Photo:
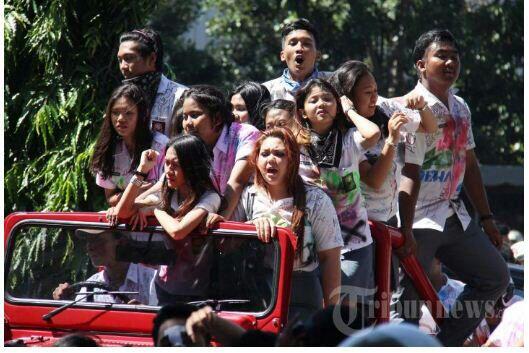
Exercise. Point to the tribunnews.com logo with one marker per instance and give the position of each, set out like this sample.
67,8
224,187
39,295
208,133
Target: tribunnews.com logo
361,307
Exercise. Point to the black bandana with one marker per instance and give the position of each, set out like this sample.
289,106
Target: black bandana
149,83
326,151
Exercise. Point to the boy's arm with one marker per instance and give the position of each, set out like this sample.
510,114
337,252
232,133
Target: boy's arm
410,184
475,190
415,100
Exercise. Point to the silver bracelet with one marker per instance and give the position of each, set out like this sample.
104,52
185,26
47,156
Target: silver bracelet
136,181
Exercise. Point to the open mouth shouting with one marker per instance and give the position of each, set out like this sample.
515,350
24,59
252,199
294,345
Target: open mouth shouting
271,172
299,60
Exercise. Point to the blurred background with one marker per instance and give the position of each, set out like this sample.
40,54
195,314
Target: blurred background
60,67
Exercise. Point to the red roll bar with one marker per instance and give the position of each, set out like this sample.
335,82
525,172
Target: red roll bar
386,239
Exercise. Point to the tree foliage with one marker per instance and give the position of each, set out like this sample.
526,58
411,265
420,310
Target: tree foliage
60,68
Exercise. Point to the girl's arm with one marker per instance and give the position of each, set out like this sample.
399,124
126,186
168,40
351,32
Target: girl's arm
125,206
330,275
179,229
415,100
149,197
113,196
374,175
369,130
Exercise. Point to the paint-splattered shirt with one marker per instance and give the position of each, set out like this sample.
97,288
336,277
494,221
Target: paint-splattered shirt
381,203
234,144
342,184
442,156
322,229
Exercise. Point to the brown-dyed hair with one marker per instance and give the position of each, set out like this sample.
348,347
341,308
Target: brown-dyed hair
295,186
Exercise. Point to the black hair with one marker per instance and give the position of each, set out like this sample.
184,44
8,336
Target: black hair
213,102
76,340
177,118
345,78
300,24
281,104
195,161
149,41
432,36
254,95
340,119
178,311
103,157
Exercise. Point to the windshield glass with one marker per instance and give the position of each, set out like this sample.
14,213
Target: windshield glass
235,272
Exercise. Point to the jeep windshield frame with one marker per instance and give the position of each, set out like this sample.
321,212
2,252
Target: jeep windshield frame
157,230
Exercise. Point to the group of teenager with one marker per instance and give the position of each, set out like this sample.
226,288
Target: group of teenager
317,152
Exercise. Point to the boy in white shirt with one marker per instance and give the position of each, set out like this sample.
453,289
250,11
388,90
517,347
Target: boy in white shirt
429,201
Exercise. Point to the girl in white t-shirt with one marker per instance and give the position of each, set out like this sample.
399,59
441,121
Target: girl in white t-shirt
279,197
186,198
123,136
379,173
331,160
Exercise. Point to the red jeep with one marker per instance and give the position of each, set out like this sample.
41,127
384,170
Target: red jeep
247,281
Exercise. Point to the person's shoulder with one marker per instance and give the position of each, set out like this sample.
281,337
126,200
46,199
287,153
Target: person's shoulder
141,268
244,130
348,135
171,85
315,193
97,277
461,101
325,74
271,83
210,197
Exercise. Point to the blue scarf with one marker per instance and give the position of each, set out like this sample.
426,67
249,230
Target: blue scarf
291,85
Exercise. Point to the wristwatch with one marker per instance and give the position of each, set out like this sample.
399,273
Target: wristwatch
144,175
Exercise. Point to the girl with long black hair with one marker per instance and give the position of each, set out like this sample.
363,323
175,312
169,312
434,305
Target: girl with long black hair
123,136
187,196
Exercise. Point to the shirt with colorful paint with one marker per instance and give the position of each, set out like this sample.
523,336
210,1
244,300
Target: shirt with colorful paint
322,229
381,203
342,184
442,156
235,143
122,168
